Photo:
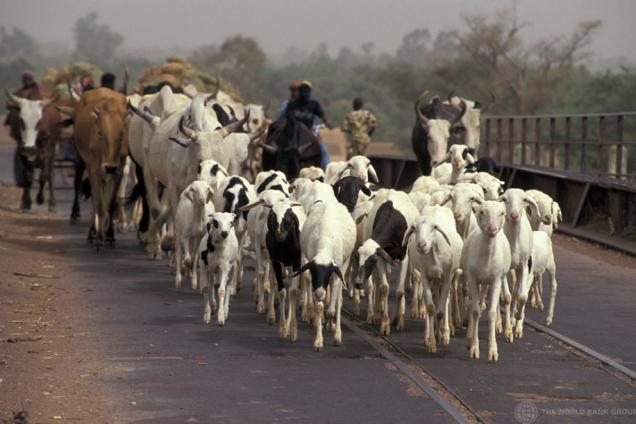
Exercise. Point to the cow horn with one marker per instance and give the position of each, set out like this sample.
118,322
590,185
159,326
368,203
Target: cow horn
268,148
418,111
13,99
302,149
489,106
234,126
47,102
450,96
126,78
210,97
188,132
145,114
66,110
72,93
257,134
458,117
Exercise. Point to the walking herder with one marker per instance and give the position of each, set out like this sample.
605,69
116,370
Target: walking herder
359,124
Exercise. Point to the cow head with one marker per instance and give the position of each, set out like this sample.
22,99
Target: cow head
110,128
469,130
29,114
258,119
202,140
437,130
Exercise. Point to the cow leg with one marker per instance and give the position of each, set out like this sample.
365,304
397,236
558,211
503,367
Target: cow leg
98,218
80,166
39,198
29,168
50,178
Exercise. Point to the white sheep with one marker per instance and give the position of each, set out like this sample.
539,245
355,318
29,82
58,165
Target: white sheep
458,157
218,254
547,215
461,200
425,184
358,166
542,261
327,241
312,173
485,262
519,234
435,250
195,203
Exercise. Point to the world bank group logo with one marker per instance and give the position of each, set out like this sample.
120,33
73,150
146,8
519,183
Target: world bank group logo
526,412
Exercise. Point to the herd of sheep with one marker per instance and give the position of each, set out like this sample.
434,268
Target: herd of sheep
463,245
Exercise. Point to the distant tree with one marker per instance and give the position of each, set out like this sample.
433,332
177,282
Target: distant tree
415,48
501,61
16,45
239,59
95,42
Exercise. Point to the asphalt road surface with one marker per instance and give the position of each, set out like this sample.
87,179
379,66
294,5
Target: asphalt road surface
179,370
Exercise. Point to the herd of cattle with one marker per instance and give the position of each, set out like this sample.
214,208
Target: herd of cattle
463,244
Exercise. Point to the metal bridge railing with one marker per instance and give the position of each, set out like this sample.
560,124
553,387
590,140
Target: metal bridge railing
602,144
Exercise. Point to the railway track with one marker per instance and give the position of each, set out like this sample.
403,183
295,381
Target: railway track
450,400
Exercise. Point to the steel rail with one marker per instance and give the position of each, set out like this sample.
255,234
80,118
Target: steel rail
404,368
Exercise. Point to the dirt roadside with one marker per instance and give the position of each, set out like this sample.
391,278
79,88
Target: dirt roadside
48,370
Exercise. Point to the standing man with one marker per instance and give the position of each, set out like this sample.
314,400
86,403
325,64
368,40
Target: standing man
307,110
359,124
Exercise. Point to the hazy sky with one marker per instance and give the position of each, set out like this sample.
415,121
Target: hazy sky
278,24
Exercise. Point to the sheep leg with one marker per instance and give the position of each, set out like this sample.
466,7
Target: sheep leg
385,325
473,319
415,306
178,247
456,296
292,326
277,270
337,293
318,309
370,301
493,354
429,335
282,320
222,294
553,291
442,312
207,302
401,301
507,298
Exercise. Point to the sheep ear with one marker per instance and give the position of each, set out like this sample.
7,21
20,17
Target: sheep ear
449,197
210,195
407,236
188,194
302,269
372,174
366,190
292,204
338,272
438,229
477,200
385,255
208,226
342,171
251,205
530,201
470,158
361,218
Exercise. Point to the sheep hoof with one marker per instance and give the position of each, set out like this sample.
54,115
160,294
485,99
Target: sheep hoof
519,330
474,352
293,334
509,336
385,328
221,323
493,355
548,321
445,340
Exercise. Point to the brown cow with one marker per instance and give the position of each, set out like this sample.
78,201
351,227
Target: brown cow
35,127
100,145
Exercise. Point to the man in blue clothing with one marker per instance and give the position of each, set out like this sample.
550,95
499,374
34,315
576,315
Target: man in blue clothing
308,111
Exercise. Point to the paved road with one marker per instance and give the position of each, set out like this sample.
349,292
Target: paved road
178,370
